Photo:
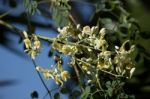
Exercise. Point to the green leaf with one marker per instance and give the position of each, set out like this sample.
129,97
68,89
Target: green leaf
110,91
108,84
99,7
30,6
86,93
91,97
131,96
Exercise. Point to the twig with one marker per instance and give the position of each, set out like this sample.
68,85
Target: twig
64,42
13,28
6,13
98,81
95,92
78,76
72,20
46,38
42,80
51,91
100,69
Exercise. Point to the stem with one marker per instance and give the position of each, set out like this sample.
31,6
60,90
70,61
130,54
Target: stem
100,69
99,84
13,28
73,20
46,38
78,76
51,91
5,14
65,42
98,81
95,92
42,80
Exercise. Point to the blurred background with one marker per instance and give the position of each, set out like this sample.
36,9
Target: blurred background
18,78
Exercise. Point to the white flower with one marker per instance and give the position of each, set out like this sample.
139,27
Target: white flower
27,43
78,26
89,81
25,34
102,31
131,72
65,75
86,30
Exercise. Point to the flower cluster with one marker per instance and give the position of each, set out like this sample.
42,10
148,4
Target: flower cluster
64,48
57,73
123,60
89,47
32,45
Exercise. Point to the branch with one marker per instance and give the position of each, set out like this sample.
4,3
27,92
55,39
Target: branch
50,40
42,79
78,76
13,28
100,69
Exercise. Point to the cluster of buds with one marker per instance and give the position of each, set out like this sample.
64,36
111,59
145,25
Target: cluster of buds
64,48
59,75
123,60
94,37
88,49
32,45
91,43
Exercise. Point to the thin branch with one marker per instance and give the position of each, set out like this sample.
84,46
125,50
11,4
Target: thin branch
72,20
70,43
78,76
50,40
100,69
98,80
6,13
95,92
13,28
51,91
42,79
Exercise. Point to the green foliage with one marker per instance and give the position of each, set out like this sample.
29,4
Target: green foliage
60,12
115,18
31,6
86,93
112,88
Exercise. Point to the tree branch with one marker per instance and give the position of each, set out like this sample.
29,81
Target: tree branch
42,80
13,28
